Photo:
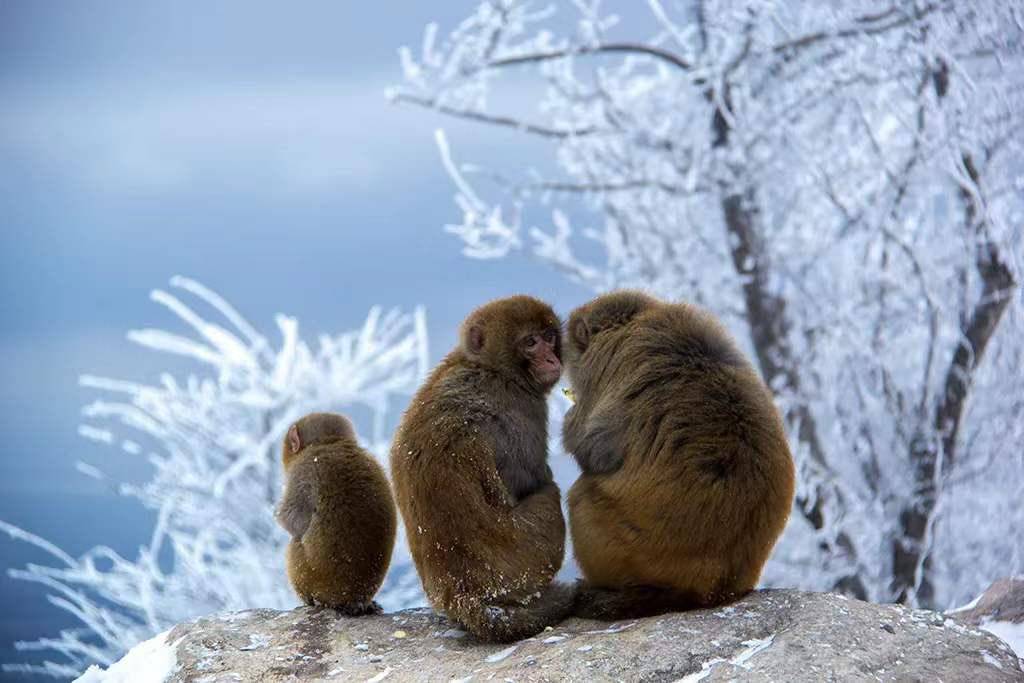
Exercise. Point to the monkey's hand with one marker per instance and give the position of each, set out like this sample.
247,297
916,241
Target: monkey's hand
595,443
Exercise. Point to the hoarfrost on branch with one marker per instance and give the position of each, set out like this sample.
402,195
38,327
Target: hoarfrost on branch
213,440
840,182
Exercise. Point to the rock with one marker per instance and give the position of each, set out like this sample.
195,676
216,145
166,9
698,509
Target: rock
776,635
1002,601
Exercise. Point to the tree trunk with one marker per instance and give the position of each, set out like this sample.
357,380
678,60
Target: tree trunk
769,328
911,552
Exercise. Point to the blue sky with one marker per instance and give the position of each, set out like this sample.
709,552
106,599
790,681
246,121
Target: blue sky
246,145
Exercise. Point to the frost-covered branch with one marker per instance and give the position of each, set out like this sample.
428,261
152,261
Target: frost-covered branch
801,170
212,439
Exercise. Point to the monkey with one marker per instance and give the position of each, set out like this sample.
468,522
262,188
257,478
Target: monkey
469,465
340,513
686,476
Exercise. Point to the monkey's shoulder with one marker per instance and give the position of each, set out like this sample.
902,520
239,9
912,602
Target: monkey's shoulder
336,463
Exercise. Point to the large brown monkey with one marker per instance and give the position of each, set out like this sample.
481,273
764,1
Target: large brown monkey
338,508
687,477
469,465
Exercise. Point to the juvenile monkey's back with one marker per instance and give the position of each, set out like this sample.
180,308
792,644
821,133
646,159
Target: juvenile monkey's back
343,556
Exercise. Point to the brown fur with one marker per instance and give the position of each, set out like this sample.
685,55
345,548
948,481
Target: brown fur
687,477
338,508
469,465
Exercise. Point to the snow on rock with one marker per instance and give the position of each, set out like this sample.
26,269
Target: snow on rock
1000,611
1010,633
151,661
501,654
779,635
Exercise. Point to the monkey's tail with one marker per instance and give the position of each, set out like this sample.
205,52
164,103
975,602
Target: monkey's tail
502,623
635,602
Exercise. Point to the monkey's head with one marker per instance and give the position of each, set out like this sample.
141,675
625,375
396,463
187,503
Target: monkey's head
312,429
598,318
519,335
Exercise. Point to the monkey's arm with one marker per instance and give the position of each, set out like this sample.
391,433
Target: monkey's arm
595,440
295,513
531,532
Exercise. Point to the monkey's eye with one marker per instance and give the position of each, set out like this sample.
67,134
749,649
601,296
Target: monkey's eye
531,342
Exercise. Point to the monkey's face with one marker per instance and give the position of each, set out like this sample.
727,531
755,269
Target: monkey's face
518,335
315,428
541,350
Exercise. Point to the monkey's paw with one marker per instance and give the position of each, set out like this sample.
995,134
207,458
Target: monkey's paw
360,609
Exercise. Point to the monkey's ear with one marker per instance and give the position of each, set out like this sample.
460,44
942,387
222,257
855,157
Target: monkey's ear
580,333
294,442
475,338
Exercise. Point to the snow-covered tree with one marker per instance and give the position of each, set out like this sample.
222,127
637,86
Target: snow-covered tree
842,184
213,440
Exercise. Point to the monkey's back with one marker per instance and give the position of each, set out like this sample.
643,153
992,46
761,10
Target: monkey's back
707,480
457,512
343,556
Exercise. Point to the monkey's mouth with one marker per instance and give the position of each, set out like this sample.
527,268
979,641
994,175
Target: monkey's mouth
546,368
547,375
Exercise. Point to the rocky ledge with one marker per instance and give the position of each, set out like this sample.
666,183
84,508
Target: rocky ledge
776,635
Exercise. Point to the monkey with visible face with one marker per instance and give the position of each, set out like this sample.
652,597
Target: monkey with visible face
338,508
469,465
687,479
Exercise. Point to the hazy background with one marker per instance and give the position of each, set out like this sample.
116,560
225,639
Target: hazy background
246,145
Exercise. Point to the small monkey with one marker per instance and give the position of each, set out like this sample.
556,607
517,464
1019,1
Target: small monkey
687,479
338,508
469,464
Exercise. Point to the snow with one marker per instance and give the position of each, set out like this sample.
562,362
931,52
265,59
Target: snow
740,660
151,661
753,647
257,641
990,659
969,606
501,654
380,677
616,628
1010,633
